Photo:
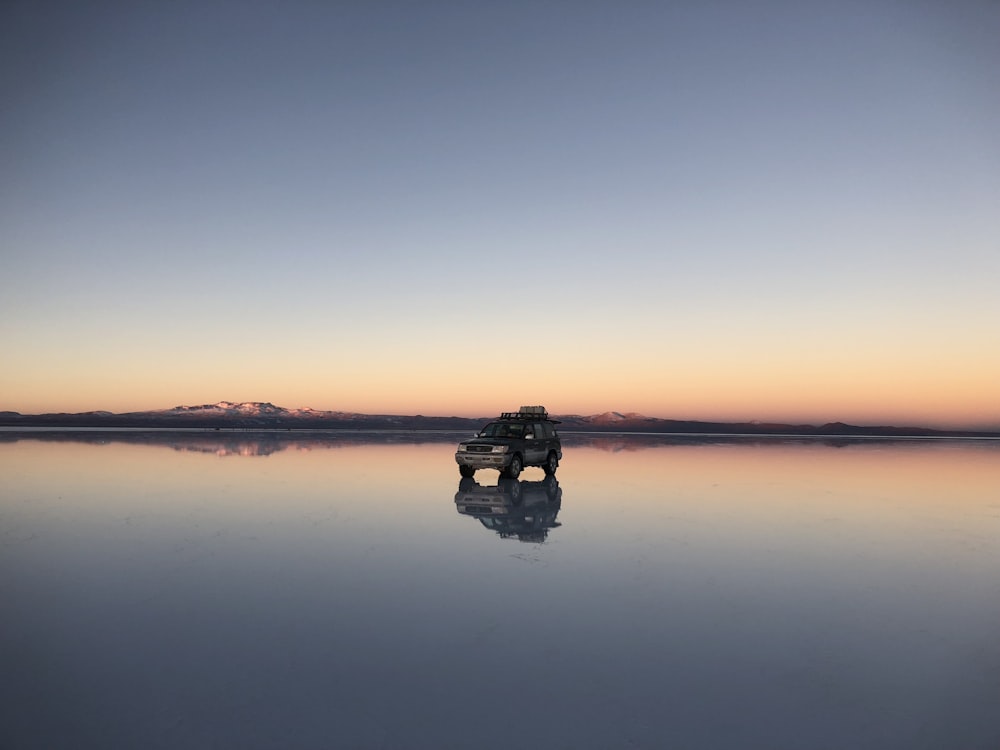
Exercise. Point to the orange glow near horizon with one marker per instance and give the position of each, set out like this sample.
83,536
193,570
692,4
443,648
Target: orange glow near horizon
948,408
933,385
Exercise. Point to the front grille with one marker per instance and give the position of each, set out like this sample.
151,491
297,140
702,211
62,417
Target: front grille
479,449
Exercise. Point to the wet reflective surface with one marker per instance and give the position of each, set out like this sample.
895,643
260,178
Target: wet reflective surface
231,590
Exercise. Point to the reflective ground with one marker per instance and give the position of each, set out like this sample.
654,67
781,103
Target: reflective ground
221,590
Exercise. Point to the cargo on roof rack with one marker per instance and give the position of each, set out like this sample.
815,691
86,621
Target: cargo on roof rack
531,410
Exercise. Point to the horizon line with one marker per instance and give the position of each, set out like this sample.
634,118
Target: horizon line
985,425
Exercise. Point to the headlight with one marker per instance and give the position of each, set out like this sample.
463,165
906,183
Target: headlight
500,448
462,447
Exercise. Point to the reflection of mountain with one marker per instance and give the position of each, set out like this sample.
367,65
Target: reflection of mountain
266,442
234,447
624,442
512,508
232,442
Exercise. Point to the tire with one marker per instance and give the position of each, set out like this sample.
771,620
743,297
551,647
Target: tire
514,468
466,471
512,489
551,464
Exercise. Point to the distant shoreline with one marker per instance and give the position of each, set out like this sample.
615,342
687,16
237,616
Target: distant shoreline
449,433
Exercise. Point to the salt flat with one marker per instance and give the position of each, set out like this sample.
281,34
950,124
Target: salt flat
352,593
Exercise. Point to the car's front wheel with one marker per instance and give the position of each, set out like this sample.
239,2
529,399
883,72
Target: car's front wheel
551,464
514,468
466,471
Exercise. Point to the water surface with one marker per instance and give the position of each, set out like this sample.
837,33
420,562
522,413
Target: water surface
206,590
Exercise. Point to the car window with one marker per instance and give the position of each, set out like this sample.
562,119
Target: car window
496,429
503,430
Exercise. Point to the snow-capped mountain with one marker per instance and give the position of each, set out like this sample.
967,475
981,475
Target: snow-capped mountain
264,414
226,409
243,410
613,417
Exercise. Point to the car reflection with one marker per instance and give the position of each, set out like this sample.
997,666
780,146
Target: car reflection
514,509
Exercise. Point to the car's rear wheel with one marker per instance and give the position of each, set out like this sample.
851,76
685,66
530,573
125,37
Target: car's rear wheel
551,463
514,468
466,471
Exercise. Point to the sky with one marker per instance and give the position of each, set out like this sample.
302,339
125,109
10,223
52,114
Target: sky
782,211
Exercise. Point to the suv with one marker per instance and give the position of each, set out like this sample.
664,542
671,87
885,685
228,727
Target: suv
517,439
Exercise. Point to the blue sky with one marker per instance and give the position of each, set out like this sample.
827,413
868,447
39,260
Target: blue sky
764,210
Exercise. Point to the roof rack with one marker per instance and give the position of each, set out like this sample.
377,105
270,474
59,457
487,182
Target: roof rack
527,413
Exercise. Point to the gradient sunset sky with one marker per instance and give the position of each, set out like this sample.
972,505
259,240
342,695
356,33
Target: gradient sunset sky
700,210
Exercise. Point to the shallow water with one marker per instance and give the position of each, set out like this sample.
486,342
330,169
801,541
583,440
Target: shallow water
204,590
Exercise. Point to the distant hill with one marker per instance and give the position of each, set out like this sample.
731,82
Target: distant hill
263,415
244,415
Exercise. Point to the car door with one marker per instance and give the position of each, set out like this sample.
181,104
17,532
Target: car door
550,439
536,449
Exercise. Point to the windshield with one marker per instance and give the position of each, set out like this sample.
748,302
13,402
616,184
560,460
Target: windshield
502,430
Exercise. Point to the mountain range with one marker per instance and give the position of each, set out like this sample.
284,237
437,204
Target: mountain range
263,415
